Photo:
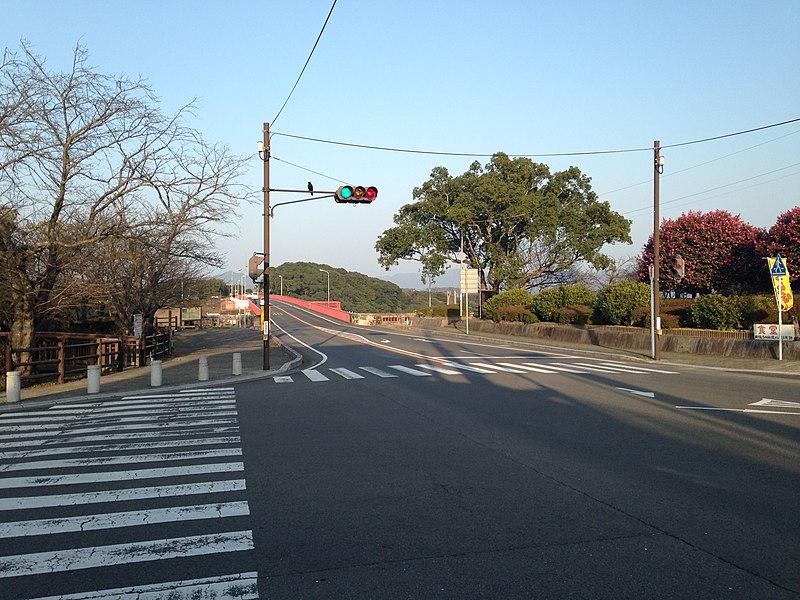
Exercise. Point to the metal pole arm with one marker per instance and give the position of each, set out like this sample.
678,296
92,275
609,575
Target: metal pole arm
274,206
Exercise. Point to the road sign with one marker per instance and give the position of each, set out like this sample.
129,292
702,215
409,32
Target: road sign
469,281
778,267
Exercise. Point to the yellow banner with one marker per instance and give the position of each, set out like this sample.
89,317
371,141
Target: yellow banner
782,287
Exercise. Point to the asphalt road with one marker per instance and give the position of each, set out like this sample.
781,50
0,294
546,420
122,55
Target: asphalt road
397,466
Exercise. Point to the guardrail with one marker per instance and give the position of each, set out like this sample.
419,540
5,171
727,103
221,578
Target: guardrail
58,356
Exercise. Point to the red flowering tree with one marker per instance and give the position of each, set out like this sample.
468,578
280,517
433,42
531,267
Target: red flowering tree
722,254
784,239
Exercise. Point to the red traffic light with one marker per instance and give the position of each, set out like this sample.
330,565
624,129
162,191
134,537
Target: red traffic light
348,194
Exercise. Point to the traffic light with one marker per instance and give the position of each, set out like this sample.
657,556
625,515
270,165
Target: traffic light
348,194
679,267
254,266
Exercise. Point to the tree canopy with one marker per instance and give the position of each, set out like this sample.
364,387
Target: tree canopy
519,224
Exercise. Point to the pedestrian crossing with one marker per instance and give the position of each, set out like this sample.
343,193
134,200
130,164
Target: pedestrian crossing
478,366
126,492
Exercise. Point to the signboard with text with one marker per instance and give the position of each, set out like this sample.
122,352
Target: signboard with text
769,331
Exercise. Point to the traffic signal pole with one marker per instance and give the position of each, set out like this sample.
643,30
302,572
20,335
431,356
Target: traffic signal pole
265,313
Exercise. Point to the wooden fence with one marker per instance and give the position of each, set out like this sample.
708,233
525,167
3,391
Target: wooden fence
59,356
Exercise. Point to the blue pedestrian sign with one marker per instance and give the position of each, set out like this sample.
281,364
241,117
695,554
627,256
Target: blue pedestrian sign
779,267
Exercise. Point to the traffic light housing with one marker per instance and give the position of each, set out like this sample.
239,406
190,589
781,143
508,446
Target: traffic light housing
679,267
359,194
254,266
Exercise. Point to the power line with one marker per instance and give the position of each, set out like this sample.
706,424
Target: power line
537,155
330,12
308,170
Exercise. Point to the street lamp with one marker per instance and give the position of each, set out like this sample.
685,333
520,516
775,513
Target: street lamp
329,286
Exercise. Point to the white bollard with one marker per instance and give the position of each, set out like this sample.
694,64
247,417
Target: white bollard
202,369
237,363
13,386
92,379
156,373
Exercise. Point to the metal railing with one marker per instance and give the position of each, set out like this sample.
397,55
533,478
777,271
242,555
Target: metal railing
59,356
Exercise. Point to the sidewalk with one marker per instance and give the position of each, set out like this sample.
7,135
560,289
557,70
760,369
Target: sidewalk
181,370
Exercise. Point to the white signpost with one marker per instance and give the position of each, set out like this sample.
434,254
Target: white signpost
469,285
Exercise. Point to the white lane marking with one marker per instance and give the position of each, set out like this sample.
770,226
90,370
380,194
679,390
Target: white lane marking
283,379
242,586
119,416
347,374
438,369
314,375
140,424
497,368
75,478
323,355
565,368
100,461
645,369
536,368
52,450
524,367
741,410
601,368
409,370
31,439
776,403
638,392
467,367
378,372
118,554
122,495
132,518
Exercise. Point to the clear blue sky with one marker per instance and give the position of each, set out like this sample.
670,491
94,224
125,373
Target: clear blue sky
520,77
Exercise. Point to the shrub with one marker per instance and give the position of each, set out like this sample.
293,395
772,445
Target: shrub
547,303
440,310
716,312
517,314
515,297
577,314
617,302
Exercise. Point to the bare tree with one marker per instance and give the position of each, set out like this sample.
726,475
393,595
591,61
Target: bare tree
86,157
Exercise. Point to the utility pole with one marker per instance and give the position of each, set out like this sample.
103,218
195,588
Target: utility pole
265,313
658,168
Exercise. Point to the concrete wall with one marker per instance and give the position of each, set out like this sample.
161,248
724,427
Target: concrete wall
628,338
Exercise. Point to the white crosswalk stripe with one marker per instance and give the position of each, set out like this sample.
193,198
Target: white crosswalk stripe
452,367
59,466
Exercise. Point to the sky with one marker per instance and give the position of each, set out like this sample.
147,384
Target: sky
522,77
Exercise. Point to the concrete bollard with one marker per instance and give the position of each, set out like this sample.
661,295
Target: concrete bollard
13,386
156,373
202,369
237,363
92,379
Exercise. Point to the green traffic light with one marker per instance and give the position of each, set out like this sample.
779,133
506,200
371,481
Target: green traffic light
346,192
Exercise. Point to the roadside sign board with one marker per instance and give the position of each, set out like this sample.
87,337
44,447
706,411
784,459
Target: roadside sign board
469,281
777,267
781,283
770,331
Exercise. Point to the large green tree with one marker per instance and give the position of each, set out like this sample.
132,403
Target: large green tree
519,224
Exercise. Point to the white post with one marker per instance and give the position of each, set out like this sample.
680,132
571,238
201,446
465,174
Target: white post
467,305
237,363
156,373
13,386
202,369
92,379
